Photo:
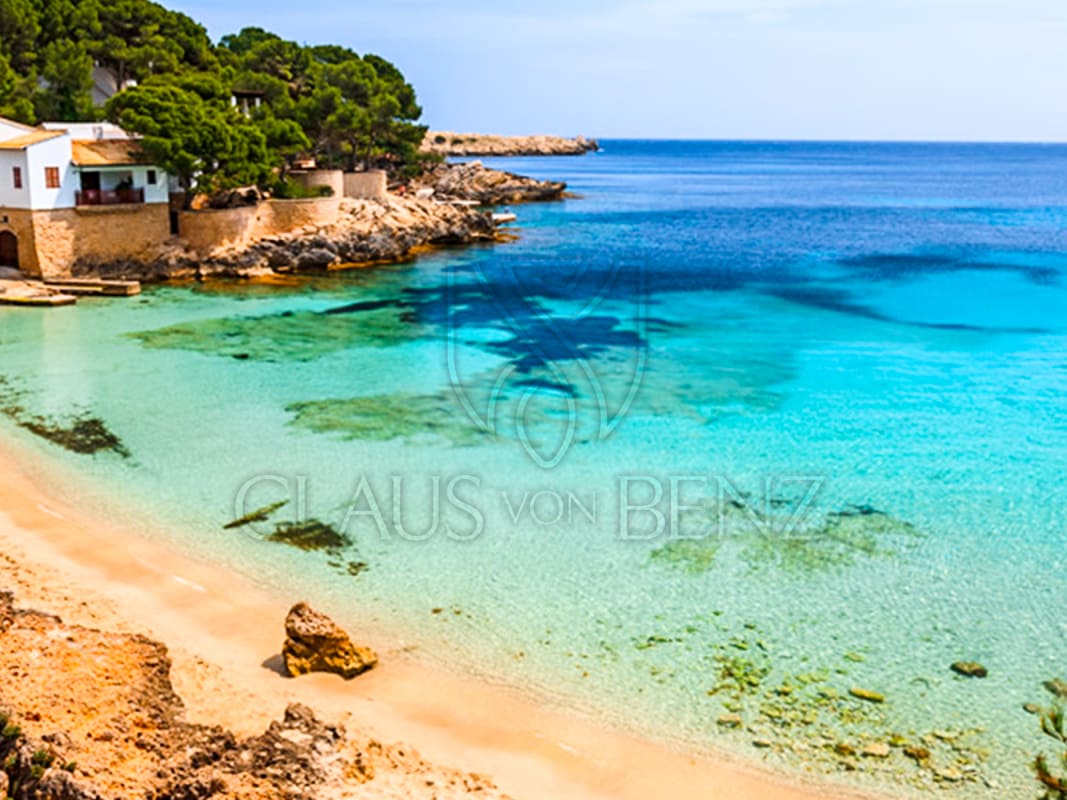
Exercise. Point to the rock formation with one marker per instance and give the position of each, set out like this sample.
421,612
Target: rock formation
476,182
476,144
89,715
368,231
315,643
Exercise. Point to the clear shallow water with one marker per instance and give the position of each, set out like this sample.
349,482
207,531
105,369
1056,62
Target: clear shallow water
850,359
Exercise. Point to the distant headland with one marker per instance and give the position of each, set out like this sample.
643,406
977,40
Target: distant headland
446,143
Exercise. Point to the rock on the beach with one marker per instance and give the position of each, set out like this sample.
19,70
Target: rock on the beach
970,669
315,643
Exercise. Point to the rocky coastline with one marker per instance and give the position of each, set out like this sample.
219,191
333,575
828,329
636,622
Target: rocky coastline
447,143
444,207
87,714
475,182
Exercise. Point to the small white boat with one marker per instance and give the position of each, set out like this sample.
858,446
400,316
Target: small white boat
504,217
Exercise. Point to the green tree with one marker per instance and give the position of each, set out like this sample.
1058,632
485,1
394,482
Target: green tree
66,90
207,147
19,28
14,104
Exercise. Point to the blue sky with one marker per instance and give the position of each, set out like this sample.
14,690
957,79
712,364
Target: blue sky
777,69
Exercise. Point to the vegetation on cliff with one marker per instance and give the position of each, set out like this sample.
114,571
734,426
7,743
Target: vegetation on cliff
322,101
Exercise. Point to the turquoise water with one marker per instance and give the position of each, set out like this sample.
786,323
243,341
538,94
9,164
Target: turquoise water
744,427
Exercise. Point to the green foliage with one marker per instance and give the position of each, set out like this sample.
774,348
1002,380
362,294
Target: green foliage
67,72
289,190
43,758
323,101
206,145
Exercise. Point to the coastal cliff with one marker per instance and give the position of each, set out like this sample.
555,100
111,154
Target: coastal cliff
446,143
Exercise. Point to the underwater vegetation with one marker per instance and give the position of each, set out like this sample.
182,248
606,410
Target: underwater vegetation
384,418
838,539
79,433
1053,723
287,336
259,515
811,713
310,536
85,434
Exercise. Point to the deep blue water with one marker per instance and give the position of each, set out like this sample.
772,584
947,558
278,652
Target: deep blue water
744,426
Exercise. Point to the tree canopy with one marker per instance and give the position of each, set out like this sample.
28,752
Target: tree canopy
325,102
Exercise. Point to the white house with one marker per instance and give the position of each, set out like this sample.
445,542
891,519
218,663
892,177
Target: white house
60,174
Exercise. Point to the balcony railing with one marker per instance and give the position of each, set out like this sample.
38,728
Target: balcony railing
108,197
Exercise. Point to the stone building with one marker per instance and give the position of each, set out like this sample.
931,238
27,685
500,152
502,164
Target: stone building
79,192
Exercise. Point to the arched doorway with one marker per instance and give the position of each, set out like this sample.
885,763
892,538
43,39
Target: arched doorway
9,249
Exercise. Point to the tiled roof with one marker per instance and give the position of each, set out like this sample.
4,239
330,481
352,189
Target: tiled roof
107,152
29,139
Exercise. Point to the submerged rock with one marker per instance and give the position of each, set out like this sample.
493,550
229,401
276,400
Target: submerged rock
969,669
315,643
866,694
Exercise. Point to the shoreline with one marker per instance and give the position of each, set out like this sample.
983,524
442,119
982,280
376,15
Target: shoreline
223,633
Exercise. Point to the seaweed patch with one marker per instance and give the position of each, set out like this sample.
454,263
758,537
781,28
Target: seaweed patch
259,515
81,433
384,418
85,435
310,536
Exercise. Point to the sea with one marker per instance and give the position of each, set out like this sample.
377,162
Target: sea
742,446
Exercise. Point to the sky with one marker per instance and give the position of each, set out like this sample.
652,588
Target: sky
958,70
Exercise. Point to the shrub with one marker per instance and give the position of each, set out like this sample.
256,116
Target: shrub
287,189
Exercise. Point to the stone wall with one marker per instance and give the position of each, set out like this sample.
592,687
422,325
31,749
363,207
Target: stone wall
370,185
52,242
20,223
313,178
288,215
208,230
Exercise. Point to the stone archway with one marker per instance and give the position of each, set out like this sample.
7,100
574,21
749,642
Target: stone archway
9,249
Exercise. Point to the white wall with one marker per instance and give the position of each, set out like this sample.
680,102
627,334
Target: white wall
52,153
111,176
160,193
9,195
88,130
10,129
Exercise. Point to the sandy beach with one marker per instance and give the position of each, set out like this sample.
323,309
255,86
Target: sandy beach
224,636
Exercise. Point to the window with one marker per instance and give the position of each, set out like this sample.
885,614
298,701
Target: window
51,177
16,176
151,177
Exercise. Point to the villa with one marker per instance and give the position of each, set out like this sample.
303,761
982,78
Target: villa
75,197
71,191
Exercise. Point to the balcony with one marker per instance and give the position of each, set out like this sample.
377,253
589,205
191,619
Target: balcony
108,197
